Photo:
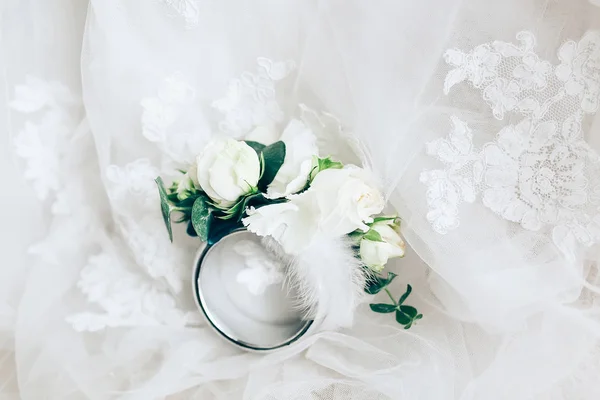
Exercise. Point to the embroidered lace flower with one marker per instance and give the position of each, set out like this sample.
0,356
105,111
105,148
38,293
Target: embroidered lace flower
539,172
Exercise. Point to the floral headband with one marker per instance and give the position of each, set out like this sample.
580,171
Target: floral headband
319,217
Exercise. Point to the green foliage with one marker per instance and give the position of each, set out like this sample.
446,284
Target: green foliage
272,158
165,206
376,283
321,164
383,308
258,147
201,216
405,315
373,236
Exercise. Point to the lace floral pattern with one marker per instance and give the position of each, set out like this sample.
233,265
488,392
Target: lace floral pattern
251,100
126,298
43,142
171,121
540,172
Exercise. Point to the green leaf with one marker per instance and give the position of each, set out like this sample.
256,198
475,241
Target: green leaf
383,308
172,197
395,220
273,156
402,318
188,202
233,211
201,218
165,207
419,317
373,236
328,163
237,210
219,230
356,235
321,164
410,311
258,147
405,295
377,283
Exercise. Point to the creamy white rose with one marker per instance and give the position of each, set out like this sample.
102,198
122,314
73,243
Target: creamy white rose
338,202
347,199
376,254
301,146
226,170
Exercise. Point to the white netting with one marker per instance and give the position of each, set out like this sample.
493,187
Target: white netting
104,310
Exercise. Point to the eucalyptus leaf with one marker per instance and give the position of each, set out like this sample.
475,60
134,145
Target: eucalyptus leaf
410,311
402,318
273,156
405,295
258,147
165,207
383,308
201,218
373,236
377,283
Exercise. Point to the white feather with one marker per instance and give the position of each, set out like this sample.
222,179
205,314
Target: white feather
327,278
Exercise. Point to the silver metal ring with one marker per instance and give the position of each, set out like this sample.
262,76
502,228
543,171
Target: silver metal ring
298,328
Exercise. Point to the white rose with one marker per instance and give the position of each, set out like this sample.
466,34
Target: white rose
337,203
226,170
300,147
347,198
376,254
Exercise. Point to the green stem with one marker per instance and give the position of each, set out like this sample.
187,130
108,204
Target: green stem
391,297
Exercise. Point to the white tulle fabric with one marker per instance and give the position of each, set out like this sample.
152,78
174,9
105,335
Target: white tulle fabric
480,118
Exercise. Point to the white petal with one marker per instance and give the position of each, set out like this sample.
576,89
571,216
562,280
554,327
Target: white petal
498,199
500,177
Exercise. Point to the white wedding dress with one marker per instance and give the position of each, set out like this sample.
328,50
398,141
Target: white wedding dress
480,116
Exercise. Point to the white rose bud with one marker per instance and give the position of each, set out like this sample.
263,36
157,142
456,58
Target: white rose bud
347,199
227,170
376,254
300,146
185,187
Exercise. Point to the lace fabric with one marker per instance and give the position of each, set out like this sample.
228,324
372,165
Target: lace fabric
539,172
489,155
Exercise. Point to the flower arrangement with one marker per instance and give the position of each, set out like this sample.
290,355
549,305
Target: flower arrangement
319,216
